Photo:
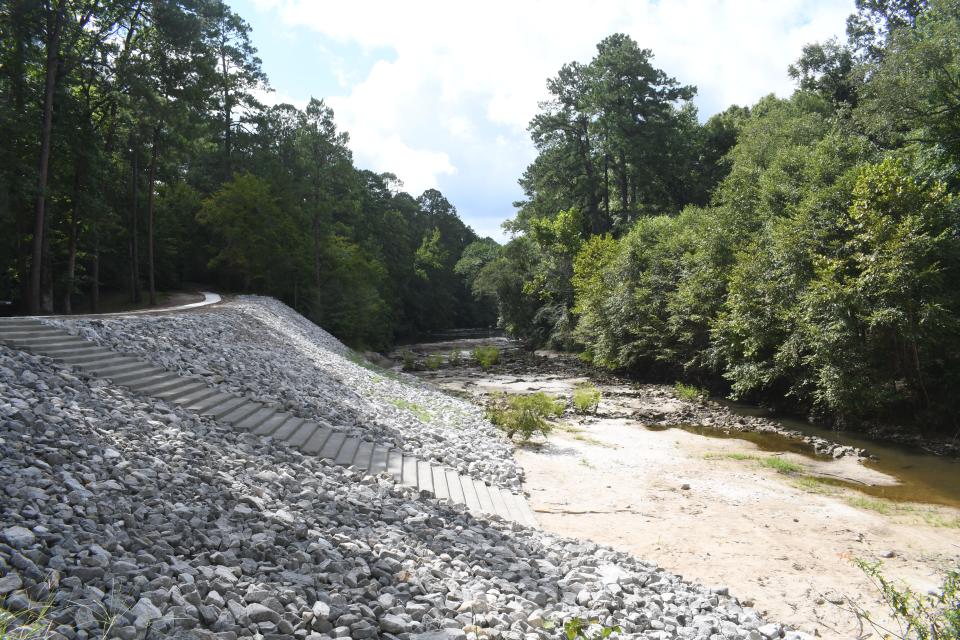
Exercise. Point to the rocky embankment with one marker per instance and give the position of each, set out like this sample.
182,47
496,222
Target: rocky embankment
261,348
125,517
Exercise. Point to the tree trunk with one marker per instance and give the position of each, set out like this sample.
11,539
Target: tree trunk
54,27
72,246
95,273
150,185
624,187
134,224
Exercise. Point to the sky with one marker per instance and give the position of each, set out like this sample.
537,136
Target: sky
441,92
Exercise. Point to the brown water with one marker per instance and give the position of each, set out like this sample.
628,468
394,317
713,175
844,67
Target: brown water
922,477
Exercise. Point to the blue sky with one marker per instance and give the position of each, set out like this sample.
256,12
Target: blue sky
440,92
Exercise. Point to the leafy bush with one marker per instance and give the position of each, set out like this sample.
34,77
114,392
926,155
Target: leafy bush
409,361
690,393
576,628
433,362
935,616
586,398
524,414
455,359
486,356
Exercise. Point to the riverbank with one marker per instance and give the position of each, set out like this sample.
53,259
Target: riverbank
745,502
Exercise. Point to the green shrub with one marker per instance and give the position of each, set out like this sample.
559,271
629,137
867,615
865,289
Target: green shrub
409,361
780,465
433,362
690,393
524,414
586,398
486,356
455,359
577,629
934,616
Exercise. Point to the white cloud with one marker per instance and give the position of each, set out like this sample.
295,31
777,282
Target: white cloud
464,80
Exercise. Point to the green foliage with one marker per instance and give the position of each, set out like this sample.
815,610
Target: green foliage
524,414
933,616
455,359
780,465
486,356
409,360
421,412
577,628
690,393
433,362
586,398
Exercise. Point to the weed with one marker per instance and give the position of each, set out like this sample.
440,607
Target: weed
524,414
586,398
358,359
585,463
723,455
486,357
25,625
870,504
577,629
933,616
433,362
813,484
415,409
409,361
690,393
780,465
455,359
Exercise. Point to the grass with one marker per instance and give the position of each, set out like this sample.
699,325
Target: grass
524,414
433,362
27,625
415,409
690,393
728,456
814,484
486,357
780,465
358,359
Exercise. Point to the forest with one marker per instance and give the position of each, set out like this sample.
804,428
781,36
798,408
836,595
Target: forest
136,159
802,252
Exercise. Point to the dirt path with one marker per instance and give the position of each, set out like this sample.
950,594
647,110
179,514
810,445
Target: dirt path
712,510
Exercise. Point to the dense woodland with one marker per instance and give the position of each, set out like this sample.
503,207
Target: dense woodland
804,252
136,158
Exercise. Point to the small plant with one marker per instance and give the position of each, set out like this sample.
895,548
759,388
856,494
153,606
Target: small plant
690,393
586,356
415,409
433,362
724,455
586,398
587,630
934,616
524,414
780,465
486,357
455,359
409,361
25,625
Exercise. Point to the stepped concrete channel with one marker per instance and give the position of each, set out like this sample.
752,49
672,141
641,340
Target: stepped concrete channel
312,437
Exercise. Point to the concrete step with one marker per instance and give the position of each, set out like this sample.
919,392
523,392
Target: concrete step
52,342
424,476
145,369
332,445
499,504
241,412
317,440
271,424
209,402
24,333
200,395
170,390
116,367
78,350
409,476
303,434
395,464
453,486
379,459
486,504
288,428
218,411
361,459
439,482
252,421
90,356
470,494
347,452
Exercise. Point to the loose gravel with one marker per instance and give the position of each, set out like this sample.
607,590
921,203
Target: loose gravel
136,519
261,348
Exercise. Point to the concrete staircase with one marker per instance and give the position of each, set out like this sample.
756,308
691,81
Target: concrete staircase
311,437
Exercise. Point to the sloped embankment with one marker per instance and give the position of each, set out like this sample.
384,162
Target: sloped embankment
261,348
135,519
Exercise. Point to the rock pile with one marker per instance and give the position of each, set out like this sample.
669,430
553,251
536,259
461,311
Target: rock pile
134,519
261,348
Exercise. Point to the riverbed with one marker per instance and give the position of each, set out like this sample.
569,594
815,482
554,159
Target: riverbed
755,511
